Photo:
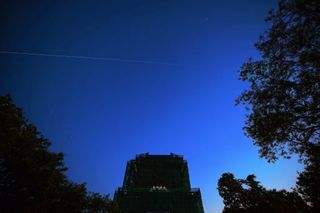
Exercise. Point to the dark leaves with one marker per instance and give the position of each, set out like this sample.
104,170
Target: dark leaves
32,178
283,98
247,195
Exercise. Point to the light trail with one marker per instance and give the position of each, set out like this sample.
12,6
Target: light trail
86,57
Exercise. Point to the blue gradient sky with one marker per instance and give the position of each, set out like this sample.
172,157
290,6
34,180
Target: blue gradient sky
101,114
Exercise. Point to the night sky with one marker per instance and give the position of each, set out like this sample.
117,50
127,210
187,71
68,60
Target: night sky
102,113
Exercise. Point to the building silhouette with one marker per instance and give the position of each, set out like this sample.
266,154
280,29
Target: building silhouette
158,184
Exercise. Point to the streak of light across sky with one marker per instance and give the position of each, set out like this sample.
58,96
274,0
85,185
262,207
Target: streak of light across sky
85,57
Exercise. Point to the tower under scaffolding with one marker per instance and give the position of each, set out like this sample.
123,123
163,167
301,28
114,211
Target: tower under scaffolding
158,184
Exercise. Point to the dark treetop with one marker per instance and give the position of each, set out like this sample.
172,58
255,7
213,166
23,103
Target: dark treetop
284,94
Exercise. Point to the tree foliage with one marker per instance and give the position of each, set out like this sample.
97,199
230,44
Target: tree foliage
284,95
308,183
247,195
283,104
32,178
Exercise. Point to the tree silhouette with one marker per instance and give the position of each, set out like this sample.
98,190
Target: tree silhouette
284,94
247,195
32,178
308,184
283,105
